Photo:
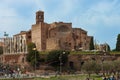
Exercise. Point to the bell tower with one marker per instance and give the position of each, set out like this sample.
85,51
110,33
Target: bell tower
39,16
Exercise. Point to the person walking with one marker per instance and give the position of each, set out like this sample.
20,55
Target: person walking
87,79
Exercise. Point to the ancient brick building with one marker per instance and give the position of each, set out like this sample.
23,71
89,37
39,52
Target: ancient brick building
58,35
54,36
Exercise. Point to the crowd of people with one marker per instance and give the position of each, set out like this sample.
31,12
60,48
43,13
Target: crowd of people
117,77
112,78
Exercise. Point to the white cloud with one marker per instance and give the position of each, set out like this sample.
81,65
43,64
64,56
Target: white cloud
66,6
7,12
111,21
89,16
101,13
102,7
39,5
10,20
17,2
6,18
57,10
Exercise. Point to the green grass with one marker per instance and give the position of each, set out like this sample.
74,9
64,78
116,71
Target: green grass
73,52
72,77
19,79
44,52
92,52
64,77
83,52
114,52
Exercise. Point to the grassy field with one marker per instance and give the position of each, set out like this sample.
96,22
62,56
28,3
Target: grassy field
82,52
72,77
74,52
63,77
114,52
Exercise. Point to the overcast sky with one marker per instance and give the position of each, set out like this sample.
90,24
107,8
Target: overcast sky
101,18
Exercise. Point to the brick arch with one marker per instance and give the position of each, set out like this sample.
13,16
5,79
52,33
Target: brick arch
63,28
21,59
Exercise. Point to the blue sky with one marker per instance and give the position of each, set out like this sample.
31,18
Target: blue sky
101,18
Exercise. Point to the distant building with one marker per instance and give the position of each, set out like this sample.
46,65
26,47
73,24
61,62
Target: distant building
104,47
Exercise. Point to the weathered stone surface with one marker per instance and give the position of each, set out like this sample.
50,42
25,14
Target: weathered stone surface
58,35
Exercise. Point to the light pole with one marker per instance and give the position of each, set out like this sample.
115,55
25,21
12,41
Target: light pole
18,73
35,61
60,58
102,65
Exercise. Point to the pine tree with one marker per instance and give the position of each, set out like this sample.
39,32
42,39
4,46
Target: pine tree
91,44
1,50
118,43
108,47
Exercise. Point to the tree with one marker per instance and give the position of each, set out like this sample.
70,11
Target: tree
116,68
33,56
53,58
118,43
88,67
97,67
91,44
1,50
108,47
107,67
91,66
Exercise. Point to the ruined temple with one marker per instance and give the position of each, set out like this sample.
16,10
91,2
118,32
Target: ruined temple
58,35
47,37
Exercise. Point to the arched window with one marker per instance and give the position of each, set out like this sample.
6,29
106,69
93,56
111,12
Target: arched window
63,28
23,60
